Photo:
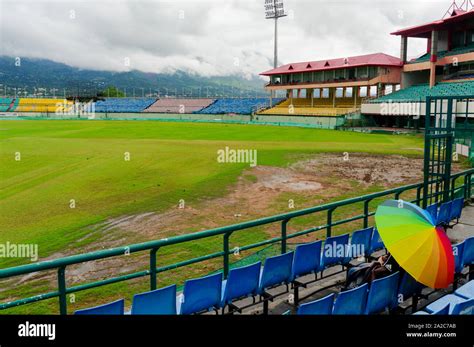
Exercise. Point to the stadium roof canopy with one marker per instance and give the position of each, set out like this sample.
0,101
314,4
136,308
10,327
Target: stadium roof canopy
424,30
377,59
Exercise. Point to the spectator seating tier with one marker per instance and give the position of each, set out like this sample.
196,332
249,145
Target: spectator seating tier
179,105
237,106
419,93
123,105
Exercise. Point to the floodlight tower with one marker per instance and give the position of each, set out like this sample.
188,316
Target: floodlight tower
274,9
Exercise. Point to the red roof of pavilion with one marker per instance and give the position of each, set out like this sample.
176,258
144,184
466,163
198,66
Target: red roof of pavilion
377,59
424,30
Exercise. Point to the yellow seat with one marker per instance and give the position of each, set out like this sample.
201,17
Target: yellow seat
43,105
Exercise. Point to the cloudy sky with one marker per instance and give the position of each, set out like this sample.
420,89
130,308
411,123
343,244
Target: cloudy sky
208,37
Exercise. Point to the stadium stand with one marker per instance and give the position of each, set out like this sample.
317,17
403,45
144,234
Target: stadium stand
319,107
179,105
420,92
8,104
237,106
123,105
211,293
40,105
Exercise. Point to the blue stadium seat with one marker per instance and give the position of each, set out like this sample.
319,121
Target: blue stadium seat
361,239
201,294
276,271
444,213
335,251
433,211
466,291
322,306
376,243
352,301
382,294
464,308
468,252
458,251
456,209
160,302
408,287
241,282
450,299
113,308
307,259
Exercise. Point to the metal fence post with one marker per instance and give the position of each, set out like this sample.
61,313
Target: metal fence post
62,290
366,213
329,222
153,268
226,254
466,187
418,195
283,235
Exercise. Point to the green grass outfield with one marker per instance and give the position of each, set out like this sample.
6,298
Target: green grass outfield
84,161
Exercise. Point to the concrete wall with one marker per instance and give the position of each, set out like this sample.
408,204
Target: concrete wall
413,78
299,121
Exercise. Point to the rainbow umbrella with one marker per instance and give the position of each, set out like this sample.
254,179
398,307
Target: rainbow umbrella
411,236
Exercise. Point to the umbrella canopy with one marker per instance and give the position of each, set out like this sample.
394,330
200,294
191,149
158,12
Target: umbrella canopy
411,236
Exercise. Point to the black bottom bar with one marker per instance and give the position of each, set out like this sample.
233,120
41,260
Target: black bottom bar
247,330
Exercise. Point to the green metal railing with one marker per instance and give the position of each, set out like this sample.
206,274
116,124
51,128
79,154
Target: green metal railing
464,189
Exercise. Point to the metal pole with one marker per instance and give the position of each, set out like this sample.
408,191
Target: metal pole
275,52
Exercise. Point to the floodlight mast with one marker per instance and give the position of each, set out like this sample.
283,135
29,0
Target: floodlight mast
274,9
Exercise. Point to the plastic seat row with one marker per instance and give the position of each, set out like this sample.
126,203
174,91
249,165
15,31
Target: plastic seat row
237,105
123,104
460,302
420,92
214,292
447,212
381,295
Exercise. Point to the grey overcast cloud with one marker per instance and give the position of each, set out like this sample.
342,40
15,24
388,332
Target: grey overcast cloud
210,37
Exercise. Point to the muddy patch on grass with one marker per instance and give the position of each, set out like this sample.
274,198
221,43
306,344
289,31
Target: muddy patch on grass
315,180
367,170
